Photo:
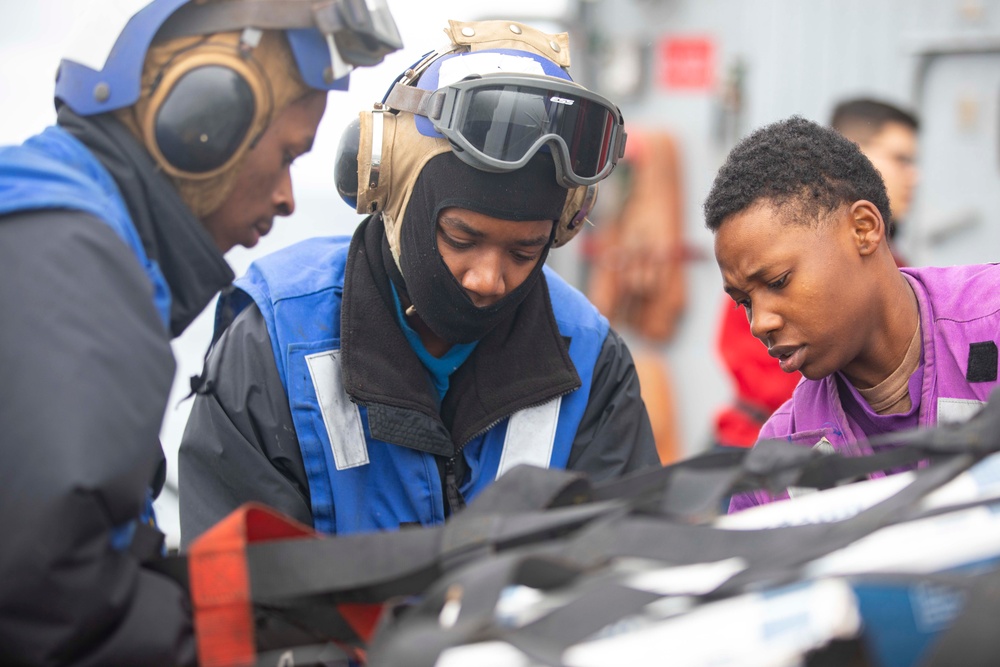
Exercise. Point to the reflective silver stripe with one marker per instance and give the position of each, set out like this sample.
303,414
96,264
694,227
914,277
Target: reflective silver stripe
957,410
340,416
531,435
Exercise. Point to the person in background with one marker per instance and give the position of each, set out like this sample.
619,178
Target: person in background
113,225
888,136
384,380
799,216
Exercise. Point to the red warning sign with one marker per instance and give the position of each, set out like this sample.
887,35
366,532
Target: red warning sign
687,63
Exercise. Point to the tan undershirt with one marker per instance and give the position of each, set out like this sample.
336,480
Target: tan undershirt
891,396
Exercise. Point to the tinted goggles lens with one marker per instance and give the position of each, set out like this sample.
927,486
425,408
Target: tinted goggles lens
506,123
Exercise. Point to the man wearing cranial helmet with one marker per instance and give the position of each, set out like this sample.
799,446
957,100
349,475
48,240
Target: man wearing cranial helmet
385,380
172,145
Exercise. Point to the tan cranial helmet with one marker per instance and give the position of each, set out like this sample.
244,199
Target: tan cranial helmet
272,83
198,81
390,145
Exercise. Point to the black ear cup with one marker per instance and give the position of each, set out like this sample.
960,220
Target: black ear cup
204,119
207,107
345,168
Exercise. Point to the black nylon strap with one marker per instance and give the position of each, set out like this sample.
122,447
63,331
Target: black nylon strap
374,567
392,564
526,488
694,488
377,566
305,623
645,482
475,590
774,556
546,639
509,537
696,495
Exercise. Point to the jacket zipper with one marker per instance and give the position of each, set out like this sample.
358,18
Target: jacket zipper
452,494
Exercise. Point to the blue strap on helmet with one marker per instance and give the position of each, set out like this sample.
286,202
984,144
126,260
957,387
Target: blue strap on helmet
118,84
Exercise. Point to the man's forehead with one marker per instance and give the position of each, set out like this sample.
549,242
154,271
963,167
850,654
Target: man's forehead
892,134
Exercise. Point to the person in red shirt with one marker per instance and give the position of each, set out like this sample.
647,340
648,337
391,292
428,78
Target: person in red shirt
887,135
761,385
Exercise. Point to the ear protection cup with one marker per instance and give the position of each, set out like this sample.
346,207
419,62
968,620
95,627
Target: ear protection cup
579,203
345,167
207,108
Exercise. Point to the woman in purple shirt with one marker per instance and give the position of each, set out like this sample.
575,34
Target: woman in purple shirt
799,216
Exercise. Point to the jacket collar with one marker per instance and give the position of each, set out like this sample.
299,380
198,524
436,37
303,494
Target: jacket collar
522,362
194,268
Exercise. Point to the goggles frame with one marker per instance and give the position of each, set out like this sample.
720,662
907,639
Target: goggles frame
444,109
328,39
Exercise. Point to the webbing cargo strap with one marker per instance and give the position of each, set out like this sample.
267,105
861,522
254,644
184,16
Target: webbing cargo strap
772,557
260,583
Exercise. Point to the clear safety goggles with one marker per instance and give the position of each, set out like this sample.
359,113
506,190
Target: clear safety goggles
498,122
328,39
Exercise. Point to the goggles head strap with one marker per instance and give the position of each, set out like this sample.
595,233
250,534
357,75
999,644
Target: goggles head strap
420,102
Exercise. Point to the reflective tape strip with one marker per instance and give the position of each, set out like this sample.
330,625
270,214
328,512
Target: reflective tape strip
531,435
957,410
340,416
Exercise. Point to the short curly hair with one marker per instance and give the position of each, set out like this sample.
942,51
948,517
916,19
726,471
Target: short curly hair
794,162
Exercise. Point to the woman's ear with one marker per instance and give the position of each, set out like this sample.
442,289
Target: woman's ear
867,227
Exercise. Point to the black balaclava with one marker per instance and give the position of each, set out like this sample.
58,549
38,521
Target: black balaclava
530,193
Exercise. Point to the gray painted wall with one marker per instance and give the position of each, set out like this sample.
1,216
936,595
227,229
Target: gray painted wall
800,57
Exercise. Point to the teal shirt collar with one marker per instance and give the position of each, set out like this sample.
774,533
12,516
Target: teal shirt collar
441,368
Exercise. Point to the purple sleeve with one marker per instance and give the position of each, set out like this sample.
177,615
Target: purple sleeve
742,501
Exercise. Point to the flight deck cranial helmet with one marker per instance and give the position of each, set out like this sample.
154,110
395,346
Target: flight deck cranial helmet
211,98
496,97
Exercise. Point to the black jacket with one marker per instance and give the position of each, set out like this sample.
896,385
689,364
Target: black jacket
87,369
240,443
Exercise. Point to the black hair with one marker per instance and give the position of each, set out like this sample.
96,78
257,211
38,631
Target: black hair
862,118
794,162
